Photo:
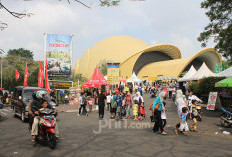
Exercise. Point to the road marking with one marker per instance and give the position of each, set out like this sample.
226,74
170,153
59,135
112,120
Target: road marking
7,110
3,113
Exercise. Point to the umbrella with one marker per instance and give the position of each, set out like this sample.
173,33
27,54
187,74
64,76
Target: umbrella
224,83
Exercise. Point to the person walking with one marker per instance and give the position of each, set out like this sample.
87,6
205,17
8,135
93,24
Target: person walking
157,106
113,108
128,104
108,98
101,104
119,105
83,103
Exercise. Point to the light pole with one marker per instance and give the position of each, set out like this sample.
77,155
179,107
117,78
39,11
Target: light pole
1,52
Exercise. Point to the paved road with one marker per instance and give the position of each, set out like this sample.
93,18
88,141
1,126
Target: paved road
126,138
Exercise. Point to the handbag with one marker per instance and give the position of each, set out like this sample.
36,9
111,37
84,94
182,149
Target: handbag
157,106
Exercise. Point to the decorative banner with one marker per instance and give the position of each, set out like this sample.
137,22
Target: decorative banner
58,52
113,73
17,74
46,78
60,84
26,75
212,101
41,76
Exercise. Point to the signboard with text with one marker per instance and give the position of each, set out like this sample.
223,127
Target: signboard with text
60,84
58,52
113,73
212,101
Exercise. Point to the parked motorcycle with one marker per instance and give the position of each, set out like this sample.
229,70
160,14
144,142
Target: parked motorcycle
46,134
226,118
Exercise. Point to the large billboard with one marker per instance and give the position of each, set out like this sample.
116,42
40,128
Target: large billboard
113,73
58,52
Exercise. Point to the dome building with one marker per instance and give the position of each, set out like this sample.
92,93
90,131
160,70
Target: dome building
146,61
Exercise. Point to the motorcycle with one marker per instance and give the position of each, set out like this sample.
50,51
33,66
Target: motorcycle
226,118
46,134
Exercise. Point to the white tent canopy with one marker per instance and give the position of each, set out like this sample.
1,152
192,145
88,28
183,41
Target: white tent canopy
225,73
135,78
192,71
204,71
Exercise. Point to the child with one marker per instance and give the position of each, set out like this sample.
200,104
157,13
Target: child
135,109
90,103
142,112
163,116
183,124
195,114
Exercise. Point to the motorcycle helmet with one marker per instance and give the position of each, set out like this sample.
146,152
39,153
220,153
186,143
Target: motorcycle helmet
40,93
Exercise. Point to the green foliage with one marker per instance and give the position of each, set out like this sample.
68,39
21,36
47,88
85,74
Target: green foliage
205,86
79,77
102,65
21,53
220,26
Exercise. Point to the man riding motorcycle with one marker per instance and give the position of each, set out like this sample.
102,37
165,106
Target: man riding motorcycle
35,107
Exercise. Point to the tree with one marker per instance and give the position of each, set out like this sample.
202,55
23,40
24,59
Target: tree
24,13
220,27
21,52
102,65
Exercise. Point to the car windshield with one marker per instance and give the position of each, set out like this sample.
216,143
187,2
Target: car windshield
27,95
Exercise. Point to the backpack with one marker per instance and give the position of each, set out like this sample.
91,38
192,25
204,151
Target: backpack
84,102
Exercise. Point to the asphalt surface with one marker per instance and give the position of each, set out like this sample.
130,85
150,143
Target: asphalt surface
81,137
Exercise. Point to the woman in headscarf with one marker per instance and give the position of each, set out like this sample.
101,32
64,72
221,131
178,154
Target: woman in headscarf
180,101
157,113
139,98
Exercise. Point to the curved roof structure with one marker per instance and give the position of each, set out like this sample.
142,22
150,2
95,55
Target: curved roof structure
174,68
146,61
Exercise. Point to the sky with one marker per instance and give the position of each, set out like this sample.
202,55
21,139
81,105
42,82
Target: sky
176,22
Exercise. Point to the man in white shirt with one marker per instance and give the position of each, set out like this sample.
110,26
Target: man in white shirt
108,101
191,98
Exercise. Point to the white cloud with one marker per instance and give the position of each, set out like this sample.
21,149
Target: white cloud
185,44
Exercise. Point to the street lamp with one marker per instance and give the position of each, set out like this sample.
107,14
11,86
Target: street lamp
1,52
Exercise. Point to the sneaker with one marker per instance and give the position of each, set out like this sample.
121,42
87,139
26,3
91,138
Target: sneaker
78,114
164,133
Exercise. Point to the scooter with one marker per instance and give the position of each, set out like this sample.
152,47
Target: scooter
226,118
199,108
46,134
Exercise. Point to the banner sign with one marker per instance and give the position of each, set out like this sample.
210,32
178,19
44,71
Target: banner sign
75,91
58,52
212,101
60,84
113,73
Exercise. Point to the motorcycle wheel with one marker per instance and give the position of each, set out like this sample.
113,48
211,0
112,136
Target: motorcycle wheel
52,140
224,123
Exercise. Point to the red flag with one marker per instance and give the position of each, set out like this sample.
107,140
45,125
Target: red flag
16,74
47,86
26,75
41,76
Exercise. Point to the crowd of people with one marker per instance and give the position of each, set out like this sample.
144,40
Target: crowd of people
126,102
119,104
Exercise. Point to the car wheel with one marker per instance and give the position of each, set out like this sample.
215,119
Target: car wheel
14,112
23,116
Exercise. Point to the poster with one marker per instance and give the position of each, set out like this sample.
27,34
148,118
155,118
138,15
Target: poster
113,73
58,52
212,101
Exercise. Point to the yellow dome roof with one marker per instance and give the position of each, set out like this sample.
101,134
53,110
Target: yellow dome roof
113,49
